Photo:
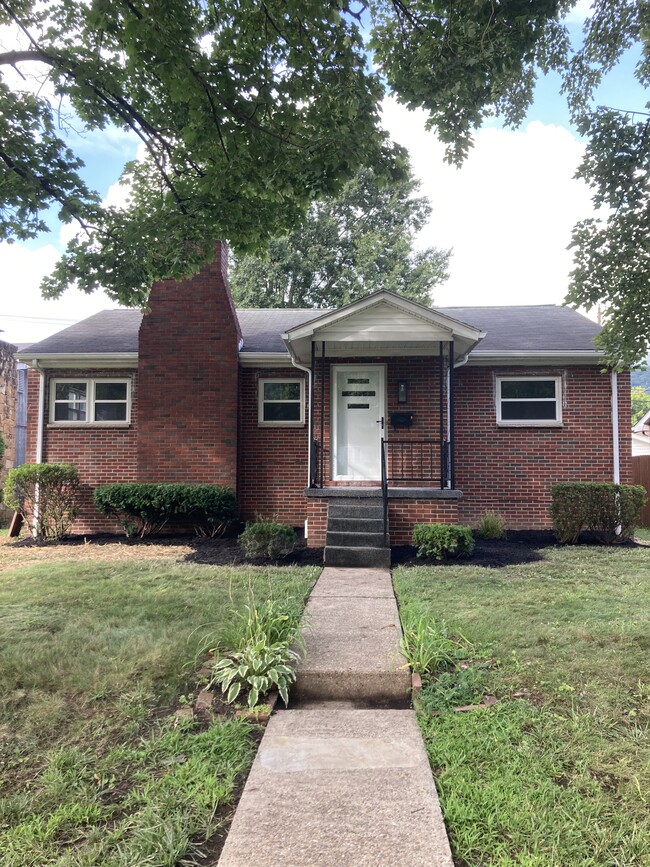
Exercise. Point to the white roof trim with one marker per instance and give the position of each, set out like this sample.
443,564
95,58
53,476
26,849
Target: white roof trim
426,314
86,359
257,359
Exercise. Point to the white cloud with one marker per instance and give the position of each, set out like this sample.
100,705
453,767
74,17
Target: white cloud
507,213
26,316
579,13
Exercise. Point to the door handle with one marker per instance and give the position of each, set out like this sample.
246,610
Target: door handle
381,422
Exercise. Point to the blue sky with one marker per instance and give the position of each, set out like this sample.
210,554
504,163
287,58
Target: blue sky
507,213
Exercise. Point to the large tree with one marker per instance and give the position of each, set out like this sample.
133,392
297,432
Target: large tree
358,242
249,110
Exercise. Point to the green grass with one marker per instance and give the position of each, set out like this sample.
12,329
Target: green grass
643,533
562,776
94,655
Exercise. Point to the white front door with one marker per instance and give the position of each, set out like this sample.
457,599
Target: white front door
358,410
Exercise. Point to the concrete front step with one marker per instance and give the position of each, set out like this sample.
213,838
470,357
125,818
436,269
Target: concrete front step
356,525
339,788
352,633
366,558
356,508
349,539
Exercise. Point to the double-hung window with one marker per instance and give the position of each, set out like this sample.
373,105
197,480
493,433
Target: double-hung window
281,402
529,400
90,401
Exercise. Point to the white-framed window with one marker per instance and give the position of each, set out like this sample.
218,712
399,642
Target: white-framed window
281,402
90,401
529,400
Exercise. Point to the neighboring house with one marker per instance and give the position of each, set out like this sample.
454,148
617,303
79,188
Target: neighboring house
480,408
641,436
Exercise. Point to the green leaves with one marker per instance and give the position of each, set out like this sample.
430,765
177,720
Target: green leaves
259,666
356,243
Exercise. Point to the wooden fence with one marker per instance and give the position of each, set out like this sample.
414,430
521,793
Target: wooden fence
641,476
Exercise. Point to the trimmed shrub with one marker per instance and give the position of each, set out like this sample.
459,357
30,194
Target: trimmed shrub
601,507
442,540
145,507
46,497
491,525
268,539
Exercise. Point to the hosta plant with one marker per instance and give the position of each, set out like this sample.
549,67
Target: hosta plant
259,667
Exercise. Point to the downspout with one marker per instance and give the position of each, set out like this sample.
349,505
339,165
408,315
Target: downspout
309,381
615,436
39,435
615,442
41,410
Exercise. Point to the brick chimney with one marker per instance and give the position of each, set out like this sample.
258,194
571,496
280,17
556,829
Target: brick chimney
188,379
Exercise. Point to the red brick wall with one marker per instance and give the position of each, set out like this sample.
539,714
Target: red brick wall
188,374
102,455
402,514
511,470
317,522
272,460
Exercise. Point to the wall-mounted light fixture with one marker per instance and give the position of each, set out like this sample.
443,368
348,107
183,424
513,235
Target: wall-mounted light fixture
402,391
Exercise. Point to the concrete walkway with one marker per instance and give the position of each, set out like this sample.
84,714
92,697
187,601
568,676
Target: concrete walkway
340,779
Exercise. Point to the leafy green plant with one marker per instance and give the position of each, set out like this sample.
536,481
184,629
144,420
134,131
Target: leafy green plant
143,508
259,666
611,511
453,688
426,645
268,539
275,620
442,540
46,497
491,525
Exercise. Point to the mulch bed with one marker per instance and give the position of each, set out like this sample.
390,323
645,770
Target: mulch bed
518,547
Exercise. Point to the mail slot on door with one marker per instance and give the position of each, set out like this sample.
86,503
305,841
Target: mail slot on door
401,419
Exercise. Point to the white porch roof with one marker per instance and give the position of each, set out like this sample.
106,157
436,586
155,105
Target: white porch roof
381,324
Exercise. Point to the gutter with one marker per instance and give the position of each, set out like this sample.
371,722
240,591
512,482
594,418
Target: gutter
39,435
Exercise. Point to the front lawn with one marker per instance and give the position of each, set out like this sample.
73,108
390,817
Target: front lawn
97,651
557,772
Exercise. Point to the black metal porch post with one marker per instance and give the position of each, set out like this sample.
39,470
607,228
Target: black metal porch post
451,415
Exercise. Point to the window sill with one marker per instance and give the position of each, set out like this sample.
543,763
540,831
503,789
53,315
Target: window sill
87,425
281,424
535,424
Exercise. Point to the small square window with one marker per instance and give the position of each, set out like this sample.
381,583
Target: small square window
281,402
529,400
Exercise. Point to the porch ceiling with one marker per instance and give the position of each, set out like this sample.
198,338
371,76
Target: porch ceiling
382,324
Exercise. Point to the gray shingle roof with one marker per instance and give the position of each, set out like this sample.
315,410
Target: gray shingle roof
540,328
532,328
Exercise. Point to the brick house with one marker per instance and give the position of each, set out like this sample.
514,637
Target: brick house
459,410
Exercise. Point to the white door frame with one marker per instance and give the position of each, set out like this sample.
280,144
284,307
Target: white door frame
354,368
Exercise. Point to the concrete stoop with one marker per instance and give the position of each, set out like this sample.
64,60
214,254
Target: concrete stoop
355,534
339,779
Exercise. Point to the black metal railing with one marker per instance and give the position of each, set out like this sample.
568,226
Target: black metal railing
315,477
384,485
423,460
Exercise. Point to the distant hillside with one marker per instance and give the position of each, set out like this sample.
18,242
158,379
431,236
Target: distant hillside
642,378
